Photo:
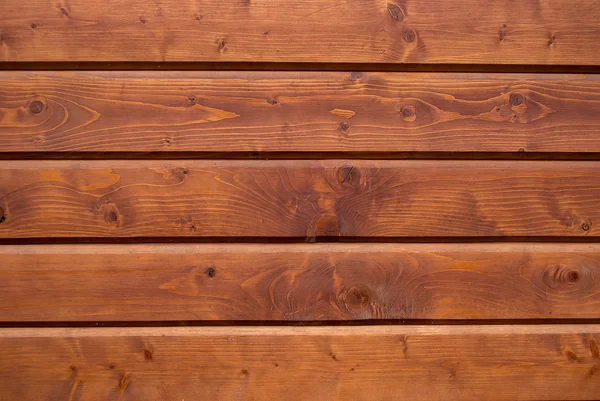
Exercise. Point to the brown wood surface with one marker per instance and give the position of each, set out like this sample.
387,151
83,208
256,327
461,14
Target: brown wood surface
231,111
372,31
408,252
309,363
298,282
298,198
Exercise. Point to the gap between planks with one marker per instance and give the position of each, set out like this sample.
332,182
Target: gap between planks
307,66
376,330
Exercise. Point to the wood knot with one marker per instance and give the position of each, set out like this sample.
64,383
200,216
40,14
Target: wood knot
594,349
347,174
356,75
34,25
409,36
187,223
551,40
355,298
580,223
36,107
111,216
593,371
148,355
516,99
566,279
344,127
570,355
142,20
408,113
573,276
273,101
211,272
502,33
222,46
2,215
176,173
123,383
395,12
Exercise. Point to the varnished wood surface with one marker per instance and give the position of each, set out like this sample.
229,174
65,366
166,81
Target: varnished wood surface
236,111
298,282
299,117
315,363
385,31
298,198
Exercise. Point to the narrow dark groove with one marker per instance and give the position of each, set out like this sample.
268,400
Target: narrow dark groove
312,323
290,240
566,156
301,66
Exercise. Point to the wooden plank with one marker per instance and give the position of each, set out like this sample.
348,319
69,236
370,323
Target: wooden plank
298,198
517,362
244,111
298,282
374,31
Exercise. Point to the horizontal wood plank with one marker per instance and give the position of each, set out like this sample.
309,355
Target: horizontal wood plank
298,198
373,31
317,363
298,282
242,111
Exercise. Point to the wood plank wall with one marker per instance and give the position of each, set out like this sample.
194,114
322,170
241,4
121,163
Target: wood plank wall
319,200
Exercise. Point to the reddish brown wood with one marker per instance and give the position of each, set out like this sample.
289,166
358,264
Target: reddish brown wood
371,31
299,363
245,111
299,115
298,199
299,282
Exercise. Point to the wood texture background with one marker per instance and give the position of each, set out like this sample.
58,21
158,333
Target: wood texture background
233,111
163,167
298,198
298,282
317,363
371,31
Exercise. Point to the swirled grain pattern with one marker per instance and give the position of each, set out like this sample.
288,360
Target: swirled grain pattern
297,112
298,282
298,199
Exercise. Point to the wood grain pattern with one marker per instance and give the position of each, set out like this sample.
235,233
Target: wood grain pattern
329,363
382,31
247,198
298,282
231,111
